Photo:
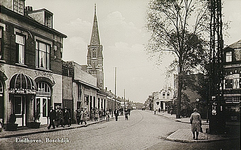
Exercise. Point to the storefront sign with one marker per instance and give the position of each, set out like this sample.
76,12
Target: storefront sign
22,91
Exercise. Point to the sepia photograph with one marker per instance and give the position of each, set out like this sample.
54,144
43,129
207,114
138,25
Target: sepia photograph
120,74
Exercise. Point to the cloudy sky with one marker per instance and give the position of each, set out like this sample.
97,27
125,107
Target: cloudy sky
124,36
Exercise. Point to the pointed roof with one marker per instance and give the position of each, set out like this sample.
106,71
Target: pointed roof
95,40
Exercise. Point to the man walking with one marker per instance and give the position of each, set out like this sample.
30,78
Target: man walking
52,117
116,114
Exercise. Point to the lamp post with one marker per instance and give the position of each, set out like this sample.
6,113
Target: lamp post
115,87
197,105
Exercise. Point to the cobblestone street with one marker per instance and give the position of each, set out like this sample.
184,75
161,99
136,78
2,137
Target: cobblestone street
143,130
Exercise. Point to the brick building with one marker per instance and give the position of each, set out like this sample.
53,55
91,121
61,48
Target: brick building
30,63
232,82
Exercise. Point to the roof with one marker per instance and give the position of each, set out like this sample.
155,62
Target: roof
29,20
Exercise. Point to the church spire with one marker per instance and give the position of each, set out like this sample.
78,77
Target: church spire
95,40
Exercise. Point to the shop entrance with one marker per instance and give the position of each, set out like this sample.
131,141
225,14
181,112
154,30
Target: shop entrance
42,107
19,108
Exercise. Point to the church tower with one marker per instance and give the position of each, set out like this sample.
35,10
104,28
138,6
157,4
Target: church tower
95,56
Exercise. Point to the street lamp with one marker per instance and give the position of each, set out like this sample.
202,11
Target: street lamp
197,105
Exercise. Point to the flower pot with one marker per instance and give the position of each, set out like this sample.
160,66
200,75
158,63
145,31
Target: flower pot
11,127
34,124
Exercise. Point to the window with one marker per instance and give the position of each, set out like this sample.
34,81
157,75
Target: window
94,54
79,92
43,89
42,55
228,83
1,40
228,56
18,6
18,105
237,53
20,48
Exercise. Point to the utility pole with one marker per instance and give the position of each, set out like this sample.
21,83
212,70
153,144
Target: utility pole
115,87
124,104
216,78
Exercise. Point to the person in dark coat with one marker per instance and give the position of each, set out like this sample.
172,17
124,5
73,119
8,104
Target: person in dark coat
52,117
66,117
78,111
116,114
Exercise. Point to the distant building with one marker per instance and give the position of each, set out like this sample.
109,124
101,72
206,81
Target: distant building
162,98
95,56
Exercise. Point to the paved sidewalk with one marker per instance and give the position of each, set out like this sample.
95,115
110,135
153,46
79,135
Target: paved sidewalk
185,135
22,131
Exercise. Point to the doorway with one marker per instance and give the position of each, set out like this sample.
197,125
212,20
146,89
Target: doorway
42,107
19,109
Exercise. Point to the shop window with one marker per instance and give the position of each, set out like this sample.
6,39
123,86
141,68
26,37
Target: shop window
42,55
20,48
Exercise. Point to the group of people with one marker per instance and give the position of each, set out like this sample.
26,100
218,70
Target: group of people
59,117
81,115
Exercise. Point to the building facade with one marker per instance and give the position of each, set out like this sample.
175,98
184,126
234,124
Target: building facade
232,81
30,63
162,98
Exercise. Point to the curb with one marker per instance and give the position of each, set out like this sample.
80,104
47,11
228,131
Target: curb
199,141
50,130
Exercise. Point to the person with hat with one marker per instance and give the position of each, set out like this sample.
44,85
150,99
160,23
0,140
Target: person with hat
196,122
67,117
52,117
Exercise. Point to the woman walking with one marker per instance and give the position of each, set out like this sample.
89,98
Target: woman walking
195,121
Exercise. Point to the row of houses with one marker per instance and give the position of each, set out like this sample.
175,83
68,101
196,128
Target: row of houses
165,99
33,75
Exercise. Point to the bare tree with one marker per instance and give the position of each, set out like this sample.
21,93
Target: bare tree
180,27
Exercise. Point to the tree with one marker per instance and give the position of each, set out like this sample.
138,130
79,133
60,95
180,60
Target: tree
179,27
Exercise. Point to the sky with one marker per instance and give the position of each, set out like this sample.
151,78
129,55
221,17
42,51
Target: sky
123,34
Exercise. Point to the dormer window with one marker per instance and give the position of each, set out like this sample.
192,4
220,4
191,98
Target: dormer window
18,6
229,56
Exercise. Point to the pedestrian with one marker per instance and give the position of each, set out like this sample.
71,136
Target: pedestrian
107,115
96,114
195,121
159,110
78,115
126,114
85,115
66,117
52,117
81,115
116,114
59,117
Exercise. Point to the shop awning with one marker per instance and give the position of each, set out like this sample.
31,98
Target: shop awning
22,84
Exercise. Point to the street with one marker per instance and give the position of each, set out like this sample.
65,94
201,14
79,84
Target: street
142,131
